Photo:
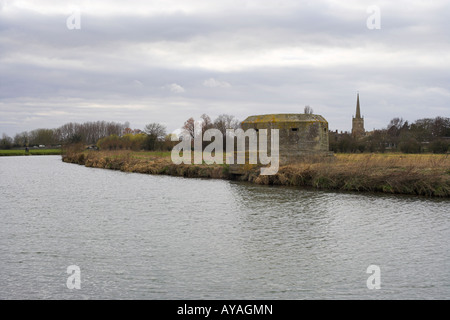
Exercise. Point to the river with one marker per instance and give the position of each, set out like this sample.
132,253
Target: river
137,236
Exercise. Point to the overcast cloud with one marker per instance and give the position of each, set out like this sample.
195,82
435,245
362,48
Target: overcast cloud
166,61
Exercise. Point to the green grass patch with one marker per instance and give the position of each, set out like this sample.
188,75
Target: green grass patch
32,152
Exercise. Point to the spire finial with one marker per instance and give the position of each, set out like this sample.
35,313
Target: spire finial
358,110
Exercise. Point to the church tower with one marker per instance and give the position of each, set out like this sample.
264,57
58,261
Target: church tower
358,122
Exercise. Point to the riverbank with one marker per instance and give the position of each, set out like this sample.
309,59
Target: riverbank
424,174
31,152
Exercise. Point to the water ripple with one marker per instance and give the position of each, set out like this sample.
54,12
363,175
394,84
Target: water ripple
138,236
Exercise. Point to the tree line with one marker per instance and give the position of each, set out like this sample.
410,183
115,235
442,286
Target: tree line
423,135
113,135
88,133
155,137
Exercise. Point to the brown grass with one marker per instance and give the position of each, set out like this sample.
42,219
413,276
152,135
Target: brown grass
427,175
144,162
424,174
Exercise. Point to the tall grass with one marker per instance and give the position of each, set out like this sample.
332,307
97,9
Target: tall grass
144,162
427,175
424,174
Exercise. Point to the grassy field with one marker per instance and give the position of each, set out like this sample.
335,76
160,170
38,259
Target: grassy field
438,163
33,152
416,174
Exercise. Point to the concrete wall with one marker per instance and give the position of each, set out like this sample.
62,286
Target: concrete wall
300,134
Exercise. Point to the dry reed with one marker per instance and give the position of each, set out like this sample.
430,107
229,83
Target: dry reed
423,174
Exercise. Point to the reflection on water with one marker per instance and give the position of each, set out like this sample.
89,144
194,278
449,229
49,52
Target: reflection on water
156,237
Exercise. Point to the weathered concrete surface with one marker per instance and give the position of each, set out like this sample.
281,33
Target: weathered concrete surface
301,135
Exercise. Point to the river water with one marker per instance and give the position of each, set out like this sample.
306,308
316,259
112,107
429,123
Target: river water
136,236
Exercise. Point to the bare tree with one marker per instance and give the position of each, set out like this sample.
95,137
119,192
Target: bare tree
189,127
308,110
6,142
158,131
206,123
21,139
224,122
155,135
395,126
90,132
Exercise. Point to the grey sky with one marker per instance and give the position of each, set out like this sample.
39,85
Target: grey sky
165,61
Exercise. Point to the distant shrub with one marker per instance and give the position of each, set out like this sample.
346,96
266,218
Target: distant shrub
410,146
440,146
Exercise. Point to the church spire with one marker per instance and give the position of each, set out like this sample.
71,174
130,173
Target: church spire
358,110
358,122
